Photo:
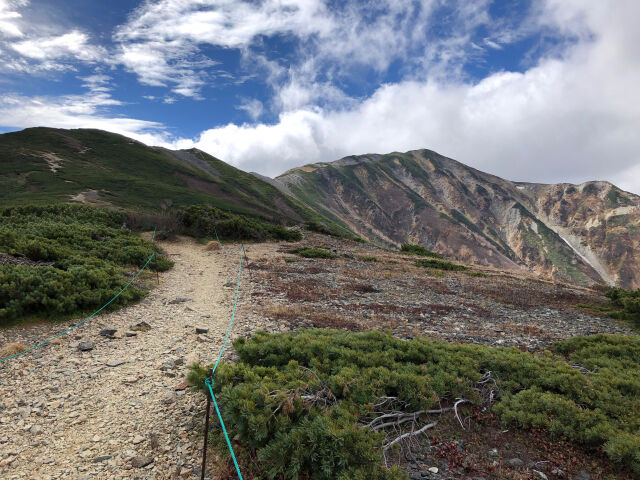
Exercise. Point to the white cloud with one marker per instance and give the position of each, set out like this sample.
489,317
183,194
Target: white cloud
572,118
77,111
74,44
9,19
253,107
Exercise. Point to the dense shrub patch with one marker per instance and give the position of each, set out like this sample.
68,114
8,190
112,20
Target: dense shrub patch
418,250
440,264
87,249
625,304
200,221
298,401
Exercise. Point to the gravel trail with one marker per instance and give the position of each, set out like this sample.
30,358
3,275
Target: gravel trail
119,410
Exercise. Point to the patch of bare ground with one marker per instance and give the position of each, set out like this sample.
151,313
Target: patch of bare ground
387,291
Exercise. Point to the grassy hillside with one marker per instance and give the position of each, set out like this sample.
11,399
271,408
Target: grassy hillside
45,165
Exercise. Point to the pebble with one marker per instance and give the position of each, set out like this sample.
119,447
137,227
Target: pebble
108,332
141,461
515,462
200,330
85,346
115,363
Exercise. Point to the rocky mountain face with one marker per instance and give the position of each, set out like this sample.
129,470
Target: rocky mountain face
583,234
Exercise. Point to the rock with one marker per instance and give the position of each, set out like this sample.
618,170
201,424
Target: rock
348,255
130,334
141,327
140,461
202,339
539,475
108,332
415,476
200,330
36,430
168,365
582,475
515,462
115,363
85,346
433,469
138,439
182,386
101,458
179,300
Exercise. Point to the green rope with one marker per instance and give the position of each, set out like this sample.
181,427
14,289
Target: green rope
233,314
216,232
209,383
90,316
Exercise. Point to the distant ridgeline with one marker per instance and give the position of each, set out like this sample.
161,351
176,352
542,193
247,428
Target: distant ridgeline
583,234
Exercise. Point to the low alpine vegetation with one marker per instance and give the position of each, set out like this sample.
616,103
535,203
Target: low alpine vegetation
440,264
313,252
418,250
67,259
625,304
295,401
200,221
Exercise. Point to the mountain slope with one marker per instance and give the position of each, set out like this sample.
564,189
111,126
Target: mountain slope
581,234
45,165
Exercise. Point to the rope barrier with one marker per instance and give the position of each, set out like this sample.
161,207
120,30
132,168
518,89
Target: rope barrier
90,316
209,383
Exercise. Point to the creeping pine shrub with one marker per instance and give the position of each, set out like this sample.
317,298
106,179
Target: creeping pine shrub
440,264
201,221
264,397
313,252
624,304
418,250
88,251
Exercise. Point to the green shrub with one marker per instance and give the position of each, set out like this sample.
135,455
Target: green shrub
88,251
201,221
313,252
262,397
418,250
624,304
440,264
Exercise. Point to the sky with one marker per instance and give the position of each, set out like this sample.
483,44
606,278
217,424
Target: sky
541,91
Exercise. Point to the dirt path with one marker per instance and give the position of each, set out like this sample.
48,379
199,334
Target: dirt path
105,413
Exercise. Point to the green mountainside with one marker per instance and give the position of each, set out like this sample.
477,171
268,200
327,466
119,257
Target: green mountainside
45,166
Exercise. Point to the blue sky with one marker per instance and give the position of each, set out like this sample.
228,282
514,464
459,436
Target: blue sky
540,90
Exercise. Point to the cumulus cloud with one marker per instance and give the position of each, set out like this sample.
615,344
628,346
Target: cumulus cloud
572,117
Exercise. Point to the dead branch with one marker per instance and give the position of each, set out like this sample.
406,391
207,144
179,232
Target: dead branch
408,435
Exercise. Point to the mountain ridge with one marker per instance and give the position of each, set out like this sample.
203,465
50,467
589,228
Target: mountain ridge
558,230
584,234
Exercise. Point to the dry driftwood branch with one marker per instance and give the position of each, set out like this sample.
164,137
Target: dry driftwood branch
412,433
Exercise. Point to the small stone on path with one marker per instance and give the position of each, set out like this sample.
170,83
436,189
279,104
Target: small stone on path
108,332
85,346
141,461
200,330
115,363
179,300
101,458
